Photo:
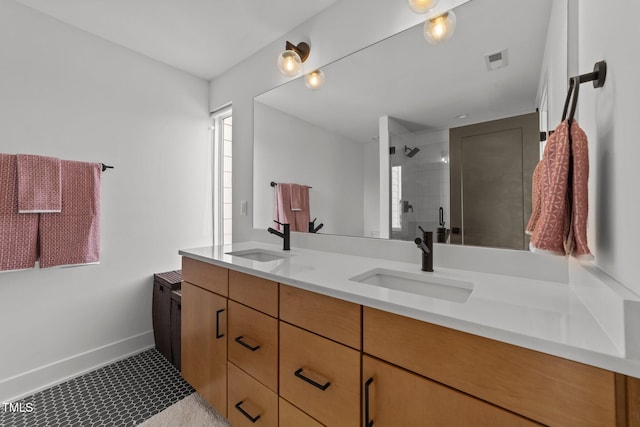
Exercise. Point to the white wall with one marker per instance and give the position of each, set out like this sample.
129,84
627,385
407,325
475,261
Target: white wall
371,190
553,75
609,31
68,94
330,163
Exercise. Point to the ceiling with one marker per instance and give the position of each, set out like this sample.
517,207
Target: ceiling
426,86
202,37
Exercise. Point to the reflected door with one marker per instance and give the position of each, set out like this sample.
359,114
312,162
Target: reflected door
491,168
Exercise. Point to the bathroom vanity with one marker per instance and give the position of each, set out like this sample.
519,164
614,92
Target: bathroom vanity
311,338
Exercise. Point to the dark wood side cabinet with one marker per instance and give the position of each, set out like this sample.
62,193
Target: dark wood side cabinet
163,285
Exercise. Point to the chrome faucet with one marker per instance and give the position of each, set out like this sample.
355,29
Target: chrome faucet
286,234
426,245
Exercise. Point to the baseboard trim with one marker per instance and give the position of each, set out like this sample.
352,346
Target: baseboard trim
27,383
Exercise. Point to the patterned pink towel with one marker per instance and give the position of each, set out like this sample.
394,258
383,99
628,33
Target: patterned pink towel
18,232
282,206
577,239
300,199
558,223
72,237
38,184
298,219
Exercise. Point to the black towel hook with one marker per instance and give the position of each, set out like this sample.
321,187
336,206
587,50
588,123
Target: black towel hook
574,99
597,76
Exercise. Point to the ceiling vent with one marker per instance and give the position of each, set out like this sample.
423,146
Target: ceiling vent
496,60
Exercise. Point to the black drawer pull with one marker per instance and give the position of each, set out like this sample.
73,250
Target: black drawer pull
322,387
245,413
367,422
218,334
246,345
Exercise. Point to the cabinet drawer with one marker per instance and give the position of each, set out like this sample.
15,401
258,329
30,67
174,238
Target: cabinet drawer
205,275
253,343
256,292
290,416
395,397
545,388
250,403
319,376
330,317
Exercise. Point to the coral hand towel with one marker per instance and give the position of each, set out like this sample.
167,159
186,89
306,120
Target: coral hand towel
18,232
301,213
282,206
39,188
577,241
549,222
558,222
72,237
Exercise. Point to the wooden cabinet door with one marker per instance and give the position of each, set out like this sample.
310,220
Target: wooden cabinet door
395,397
253,343
204,344
319,376
250,402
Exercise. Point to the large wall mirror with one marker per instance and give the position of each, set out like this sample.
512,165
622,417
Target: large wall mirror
400,123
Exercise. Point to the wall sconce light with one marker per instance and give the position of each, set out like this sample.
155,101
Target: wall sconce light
314,80
440,28
436,29
422,6
290,60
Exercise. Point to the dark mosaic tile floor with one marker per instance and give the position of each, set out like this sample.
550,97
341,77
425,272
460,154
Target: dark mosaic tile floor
124,393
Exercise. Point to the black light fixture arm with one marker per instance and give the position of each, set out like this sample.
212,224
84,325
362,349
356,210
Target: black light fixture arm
302,49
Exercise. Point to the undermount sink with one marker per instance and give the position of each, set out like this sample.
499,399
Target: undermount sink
261,255
415,283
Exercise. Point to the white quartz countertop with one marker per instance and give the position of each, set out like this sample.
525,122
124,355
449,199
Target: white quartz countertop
538,315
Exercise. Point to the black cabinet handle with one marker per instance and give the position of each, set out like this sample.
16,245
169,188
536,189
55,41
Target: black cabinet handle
218,334
245,413
246,345
367,421
322,387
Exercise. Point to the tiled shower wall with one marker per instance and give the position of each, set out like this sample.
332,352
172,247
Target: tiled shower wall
425,180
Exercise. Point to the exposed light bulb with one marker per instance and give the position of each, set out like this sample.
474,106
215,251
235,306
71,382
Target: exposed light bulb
314,80
440,28
444,157
289,63
422,6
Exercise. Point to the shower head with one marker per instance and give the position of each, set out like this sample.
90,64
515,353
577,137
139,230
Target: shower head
411,151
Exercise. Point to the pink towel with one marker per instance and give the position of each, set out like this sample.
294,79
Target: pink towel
282,206
18,232
38,184
301,213
577,239
298,219
558,223
72,237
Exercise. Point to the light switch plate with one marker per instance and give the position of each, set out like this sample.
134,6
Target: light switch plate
243,207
